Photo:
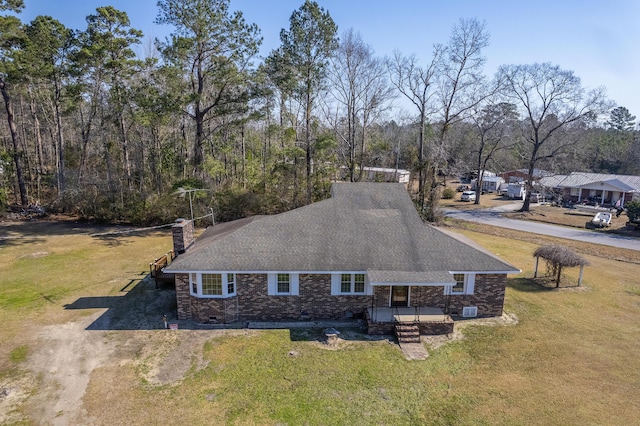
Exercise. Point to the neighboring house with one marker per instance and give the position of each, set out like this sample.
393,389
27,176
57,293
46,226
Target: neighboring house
378,174
469,177
522,175
365,252
489,183
595,188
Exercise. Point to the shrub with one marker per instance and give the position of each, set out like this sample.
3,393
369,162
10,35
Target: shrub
633,211
448,193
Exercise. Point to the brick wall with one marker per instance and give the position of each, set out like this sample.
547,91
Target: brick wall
488,296
381,296
428,296
182,234
315,301
183,298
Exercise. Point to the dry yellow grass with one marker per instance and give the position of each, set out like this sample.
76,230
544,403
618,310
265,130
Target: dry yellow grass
571,359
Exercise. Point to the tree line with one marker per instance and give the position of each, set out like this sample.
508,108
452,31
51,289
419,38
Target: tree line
93,129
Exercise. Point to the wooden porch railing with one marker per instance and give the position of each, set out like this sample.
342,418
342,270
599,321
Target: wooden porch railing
156,268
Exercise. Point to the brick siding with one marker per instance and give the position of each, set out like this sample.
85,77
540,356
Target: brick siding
183,298
315,302
488,296
182,234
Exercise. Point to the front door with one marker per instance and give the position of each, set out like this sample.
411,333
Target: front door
399,296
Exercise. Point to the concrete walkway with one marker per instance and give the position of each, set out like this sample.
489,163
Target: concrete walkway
414,351
493,217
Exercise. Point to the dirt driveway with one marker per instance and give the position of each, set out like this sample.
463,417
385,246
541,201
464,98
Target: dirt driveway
122,329
117,331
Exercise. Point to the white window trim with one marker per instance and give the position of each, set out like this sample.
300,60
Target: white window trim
272,284
225,293
469,286
336,284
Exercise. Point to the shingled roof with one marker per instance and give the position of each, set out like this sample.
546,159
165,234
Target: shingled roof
624,183
362,227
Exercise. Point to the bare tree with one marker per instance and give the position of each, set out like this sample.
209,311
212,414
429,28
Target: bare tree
551,100
461,89
417,84
493,126
361,91
449,89
461,84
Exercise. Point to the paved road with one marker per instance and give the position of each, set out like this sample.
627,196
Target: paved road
492,217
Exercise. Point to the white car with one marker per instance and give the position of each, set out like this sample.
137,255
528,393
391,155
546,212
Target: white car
468,196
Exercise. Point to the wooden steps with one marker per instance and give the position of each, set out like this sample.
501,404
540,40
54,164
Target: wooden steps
407,333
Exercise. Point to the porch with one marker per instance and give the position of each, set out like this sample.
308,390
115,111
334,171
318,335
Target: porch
428,320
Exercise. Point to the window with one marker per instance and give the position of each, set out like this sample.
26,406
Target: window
465,284
358,283
459,287
348,284
212,284
231,283
194,283
345,283
284,283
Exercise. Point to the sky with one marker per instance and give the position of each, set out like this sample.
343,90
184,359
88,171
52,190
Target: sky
596,40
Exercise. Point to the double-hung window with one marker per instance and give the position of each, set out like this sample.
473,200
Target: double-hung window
345,283
358,283
459,287
284,284
231,284
351,284
194,283
465,284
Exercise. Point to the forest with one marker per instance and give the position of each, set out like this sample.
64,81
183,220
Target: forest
202,125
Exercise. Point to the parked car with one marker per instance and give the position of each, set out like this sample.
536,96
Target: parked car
536,197
462,188
468,196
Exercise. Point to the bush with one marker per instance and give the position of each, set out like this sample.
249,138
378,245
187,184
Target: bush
633,211
448,193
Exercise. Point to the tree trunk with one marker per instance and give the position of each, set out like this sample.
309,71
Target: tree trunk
198,153
307,138
421,165
38,145
244,159
16,143
60,140
558,277
125,152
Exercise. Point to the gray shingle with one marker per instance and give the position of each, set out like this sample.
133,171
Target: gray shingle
363,226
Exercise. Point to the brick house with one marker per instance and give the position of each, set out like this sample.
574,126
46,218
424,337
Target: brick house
365,252
595,188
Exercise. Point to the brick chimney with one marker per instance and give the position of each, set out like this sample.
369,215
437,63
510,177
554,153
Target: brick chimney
182,233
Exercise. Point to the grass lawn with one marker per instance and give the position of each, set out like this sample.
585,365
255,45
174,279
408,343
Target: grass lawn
570,359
